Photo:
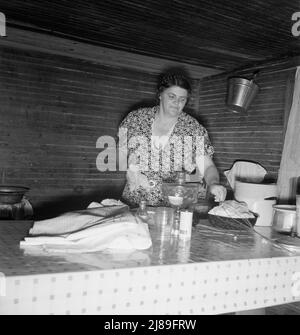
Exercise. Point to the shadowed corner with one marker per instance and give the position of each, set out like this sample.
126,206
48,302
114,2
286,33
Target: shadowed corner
73,202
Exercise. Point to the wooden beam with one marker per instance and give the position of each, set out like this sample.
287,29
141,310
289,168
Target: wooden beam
289,92
267,67
44,42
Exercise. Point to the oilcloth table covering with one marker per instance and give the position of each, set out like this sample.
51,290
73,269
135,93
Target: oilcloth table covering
92,229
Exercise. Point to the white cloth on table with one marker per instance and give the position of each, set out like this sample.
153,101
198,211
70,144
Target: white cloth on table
232,209
92,229
106,202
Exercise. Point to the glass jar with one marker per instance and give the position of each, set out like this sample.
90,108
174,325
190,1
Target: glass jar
142,211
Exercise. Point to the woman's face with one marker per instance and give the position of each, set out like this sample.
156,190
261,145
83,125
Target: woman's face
172,100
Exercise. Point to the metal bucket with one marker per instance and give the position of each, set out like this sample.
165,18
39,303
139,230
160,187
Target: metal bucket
241,93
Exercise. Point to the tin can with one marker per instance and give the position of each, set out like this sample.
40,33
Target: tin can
186,221
298,215
183,250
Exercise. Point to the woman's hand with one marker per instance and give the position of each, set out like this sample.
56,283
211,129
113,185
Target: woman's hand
219,191
207,167
135,178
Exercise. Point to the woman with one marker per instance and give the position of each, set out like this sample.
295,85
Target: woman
162,140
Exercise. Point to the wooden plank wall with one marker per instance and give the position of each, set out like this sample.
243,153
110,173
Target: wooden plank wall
256,135
53,109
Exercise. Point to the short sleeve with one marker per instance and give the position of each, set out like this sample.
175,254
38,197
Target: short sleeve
128,121
208,148
126,128
132,133
203,145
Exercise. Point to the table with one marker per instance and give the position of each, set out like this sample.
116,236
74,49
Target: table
212,273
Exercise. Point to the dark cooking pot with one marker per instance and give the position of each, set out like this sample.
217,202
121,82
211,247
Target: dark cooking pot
12,194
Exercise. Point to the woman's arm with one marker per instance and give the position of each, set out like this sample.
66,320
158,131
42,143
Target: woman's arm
210,173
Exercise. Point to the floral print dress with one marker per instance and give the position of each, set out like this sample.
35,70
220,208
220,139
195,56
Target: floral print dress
186,141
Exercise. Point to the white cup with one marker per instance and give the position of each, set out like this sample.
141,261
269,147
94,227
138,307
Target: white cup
186,221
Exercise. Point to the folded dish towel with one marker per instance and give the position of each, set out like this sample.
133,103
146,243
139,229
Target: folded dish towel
103,259
92,229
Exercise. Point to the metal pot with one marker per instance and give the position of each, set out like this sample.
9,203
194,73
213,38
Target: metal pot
10,195
260,199
284,218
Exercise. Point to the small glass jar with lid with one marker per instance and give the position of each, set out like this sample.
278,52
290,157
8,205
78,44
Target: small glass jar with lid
142,211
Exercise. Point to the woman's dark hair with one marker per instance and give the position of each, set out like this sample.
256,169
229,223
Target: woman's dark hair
173,79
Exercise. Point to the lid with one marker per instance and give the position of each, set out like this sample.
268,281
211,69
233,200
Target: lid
285,208
13,189
189,186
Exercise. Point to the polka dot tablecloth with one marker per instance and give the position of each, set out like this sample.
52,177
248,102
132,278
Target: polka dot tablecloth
211,274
